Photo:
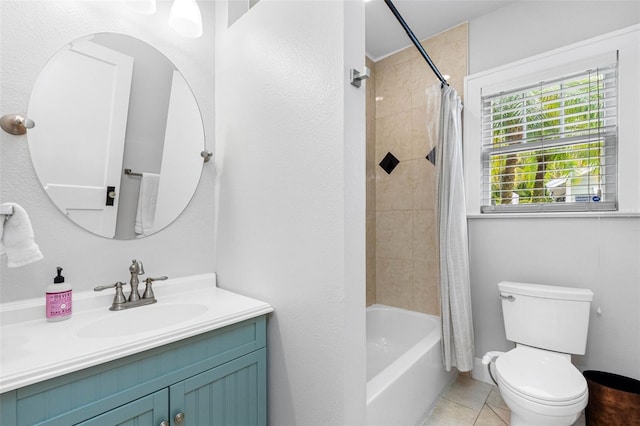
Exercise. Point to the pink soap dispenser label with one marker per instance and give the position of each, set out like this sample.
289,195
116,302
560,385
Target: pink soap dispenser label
59,304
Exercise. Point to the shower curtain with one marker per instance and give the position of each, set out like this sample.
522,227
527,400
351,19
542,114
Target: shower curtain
455,291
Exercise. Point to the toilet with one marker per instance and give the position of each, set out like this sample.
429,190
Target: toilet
537,379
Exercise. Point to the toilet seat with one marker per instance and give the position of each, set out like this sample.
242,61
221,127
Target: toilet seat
541,377
505,387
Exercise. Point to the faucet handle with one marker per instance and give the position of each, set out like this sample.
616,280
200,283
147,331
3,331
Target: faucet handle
148,291
119,297
105,287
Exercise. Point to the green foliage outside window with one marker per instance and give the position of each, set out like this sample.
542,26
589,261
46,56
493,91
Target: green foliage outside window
568,110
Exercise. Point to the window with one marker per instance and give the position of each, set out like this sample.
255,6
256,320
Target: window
556,155
551,146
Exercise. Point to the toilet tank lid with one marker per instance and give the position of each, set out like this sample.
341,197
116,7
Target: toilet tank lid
546,291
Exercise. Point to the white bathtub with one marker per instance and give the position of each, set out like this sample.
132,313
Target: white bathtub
405,375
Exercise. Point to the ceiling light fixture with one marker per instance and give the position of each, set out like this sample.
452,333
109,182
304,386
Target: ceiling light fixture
185,18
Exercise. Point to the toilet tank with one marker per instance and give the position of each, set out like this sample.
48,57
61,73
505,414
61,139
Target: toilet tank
546,317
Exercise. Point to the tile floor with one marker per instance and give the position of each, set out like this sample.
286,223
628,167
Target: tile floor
470,402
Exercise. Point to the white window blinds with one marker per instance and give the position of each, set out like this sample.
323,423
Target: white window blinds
552,146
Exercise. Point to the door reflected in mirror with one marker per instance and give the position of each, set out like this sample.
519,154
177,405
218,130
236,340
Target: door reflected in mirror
109,102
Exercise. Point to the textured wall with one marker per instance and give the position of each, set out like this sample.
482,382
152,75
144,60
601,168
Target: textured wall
31,32
406,262
291,225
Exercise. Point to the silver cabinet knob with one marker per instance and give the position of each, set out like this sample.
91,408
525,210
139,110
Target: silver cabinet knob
164,423
179,418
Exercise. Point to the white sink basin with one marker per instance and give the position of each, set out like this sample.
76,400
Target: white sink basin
141,319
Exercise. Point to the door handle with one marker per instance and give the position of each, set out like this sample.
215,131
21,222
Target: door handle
111,195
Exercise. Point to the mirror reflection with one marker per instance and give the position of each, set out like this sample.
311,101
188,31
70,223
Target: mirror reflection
104,104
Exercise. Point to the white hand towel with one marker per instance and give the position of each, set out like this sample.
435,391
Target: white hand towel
16,238
147,200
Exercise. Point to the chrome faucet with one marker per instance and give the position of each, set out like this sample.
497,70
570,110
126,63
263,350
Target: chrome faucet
120,302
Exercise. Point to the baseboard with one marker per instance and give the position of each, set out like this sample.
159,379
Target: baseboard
480,372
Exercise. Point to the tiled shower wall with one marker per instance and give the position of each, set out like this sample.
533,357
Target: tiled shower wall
402,261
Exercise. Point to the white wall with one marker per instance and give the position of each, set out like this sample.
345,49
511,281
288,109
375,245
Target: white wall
600,253
31,32
290,150
527,28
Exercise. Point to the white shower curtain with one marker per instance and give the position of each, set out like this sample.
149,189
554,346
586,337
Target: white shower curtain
455,291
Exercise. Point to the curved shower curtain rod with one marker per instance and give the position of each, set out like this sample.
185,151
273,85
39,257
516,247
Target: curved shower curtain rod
416,42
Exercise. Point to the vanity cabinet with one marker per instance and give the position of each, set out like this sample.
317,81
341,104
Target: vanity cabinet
215,378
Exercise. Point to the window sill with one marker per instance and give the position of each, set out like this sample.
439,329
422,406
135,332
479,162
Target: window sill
554,215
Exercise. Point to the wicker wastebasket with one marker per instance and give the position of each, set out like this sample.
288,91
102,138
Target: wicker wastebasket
613,399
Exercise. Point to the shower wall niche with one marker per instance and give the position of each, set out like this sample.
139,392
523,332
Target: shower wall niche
402,260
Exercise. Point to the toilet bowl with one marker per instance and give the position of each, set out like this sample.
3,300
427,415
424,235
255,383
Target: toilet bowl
540,387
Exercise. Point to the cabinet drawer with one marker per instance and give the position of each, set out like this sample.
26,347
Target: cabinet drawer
78,396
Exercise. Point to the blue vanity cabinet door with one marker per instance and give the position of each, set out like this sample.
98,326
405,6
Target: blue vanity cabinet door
234,394
149,410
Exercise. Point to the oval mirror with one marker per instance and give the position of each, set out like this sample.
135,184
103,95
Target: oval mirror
117,137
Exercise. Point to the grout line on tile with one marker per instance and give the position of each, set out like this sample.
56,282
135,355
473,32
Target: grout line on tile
462,405
476,417
497,414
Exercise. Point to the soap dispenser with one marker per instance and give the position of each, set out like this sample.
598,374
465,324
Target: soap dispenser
58,300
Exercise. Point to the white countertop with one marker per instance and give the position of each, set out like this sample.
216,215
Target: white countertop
33,350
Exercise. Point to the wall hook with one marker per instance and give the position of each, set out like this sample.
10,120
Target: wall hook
16,124
357,76
6,210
